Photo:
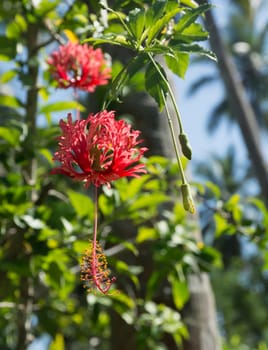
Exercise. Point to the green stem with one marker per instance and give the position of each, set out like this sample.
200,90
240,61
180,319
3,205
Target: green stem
178,115
187,199
118,16
119,80
171,127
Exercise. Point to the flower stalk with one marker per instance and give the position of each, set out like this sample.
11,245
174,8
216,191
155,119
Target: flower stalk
187,199
185,146
172,131
94,269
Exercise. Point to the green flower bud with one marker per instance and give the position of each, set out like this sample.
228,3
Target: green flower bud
187,199
185,146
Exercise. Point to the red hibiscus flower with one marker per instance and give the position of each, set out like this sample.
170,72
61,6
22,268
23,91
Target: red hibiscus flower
98,149
79,66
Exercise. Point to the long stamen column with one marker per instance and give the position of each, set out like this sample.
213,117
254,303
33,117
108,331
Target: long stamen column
94,269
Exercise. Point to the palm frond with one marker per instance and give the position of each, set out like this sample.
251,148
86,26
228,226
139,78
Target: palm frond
217,115
201,82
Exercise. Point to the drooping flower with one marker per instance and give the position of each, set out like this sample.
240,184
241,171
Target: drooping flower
79,66
99,149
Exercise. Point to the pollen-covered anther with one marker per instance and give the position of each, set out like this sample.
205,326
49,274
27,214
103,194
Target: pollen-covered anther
94,270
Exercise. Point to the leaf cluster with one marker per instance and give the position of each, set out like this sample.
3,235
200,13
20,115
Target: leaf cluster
164,29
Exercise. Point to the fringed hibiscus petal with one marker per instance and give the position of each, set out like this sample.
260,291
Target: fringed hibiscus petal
79,66
99,149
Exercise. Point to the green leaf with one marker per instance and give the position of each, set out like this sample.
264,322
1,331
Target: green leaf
136,22
131,247
180,291
47,155
105,205
21,22
154,83
155,12
7,76
112,39
136,65
10,101
61,106
215,190
178,63
160,24
57,343
209,256
189,17
192,48
190,3
179,212
80,246
19,266
157,160
154,281
158,49
126,73
12,30
121,266
150,200
135,186
122,302
16,27
43,7
194,32
233,201
117,84
11,135
262,207
222,226
153,185
81,203
146,233
8,48
233,205
4,58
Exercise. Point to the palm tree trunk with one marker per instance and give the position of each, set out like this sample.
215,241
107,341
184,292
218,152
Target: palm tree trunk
239,103
200,312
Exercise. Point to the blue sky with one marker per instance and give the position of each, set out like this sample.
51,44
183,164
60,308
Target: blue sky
195,108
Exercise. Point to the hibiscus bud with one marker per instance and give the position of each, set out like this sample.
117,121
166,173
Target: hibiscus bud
187,199
185,146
